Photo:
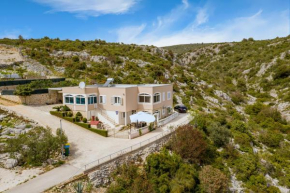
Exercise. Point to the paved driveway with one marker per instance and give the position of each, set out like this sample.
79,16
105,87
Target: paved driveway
86,146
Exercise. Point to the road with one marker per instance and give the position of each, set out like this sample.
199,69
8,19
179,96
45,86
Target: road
86,146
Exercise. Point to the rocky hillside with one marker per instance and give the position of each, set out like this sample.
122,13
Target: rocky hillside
239,94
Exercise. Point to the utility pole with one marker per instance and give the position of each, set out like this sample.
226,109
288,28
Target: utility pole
60,135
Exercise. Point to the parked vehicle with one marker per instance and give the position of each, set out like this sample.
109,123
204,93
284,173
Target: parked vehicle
180,108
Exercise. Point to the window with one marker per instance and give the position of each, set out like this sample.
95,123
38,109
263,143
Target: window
116,100
164,96
163,111
102,99
144,98
92,99
168,95
156,97
133,112
69,99
80,100
123,115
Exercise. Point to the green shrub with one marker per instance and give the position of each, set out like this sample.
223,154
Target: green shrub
78,119
70,119
219,134
271,139
58,114
69,114
239,126
140,132
65,108
57,108
79,114
84,125
85,120
99,131
34,149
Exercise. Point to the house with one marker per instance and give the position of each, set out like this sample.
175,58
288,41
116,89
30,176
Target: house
116,102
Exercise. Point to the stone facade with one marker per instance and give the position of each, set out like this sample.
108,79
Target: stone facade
35,99
100,176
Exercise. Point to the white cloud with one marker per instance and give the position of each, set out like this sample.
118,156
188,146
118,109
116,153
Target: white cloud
201,17
129,34
89,7
185,2
258,26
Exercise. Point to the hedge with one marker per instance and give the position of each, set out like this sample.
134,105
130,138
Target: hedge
70,119
84,125
58,114
99,131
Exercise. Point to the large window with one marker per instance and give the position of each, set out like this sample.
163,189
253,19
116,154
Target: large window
69,99
92,99
116,100
157,97
102,99
144,98
80,100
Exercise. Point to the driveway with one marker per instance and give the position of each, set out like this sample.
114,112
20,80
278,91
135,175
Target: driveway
86,146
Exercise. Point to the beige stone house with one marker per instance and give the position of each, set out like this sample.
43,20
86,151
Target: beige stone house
116,102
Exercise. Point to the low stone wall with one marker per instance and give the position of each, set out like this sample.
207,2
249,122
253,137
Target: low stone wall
100,176
35,99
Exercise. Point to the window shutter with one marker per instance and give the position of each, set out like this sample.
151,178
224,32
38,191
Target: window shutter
121,101
112,100
104,99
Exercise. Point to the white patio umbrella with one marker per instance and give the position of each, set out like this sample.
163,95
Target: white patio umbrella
142,117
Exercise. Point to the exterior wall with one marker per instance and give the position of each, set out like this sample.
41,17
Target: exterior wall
129,97
35,99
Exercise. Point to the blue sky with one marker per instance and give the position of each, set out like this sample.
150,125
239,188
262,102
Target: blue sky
151,22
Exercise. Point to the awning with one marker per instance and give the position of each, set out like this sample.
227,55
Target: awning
142,117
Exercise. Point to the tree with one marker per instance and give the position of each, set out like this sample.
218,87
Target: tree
212,180
21,39
189,144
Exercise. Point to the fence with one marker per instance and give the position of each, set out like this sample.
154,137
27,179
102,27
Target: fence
37,91
27,81
167,119
91,165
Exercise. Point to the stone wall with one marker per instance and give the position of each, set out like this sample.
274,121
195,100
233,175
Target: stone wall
35,99
100,176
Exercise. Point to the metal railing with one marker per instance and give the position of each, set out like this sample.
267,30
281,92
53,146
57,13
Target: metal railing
132,148
167,119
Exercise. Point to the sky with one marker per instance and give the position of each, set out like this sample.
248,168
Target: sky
146,22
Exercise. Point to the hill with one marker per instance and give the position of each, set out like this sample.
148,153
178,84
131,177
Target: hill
183,48
239,94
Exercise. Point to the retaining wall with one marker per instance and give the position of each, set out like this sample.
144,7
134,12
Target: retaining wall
100,175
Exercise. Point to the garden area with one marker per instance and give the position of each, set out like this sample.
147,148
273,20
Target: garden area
65,113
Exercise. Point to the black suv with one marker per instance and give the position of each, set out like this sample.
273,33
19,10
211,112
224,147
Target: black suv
180,108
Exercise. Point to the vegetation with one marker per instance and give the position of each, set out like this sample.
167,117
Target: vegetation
36,146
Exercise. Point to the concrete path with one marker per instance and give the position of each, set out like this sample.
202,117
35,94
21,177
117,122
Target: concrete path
86,146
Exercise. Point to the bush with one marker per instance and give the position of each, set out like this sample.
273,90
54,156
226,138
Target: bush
219,134
189,144
70,119
36,146
85,120
79,114
57,108
271,139
69,114
239,126
213,180
99,131
84,125
58,114
65,108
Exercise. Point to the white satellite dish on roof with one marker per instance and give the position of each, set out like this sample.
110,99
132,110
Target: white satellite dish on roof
82,85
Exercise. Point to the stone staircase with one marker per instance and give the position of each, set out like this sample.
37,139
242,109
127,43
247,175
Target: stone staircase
107,121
